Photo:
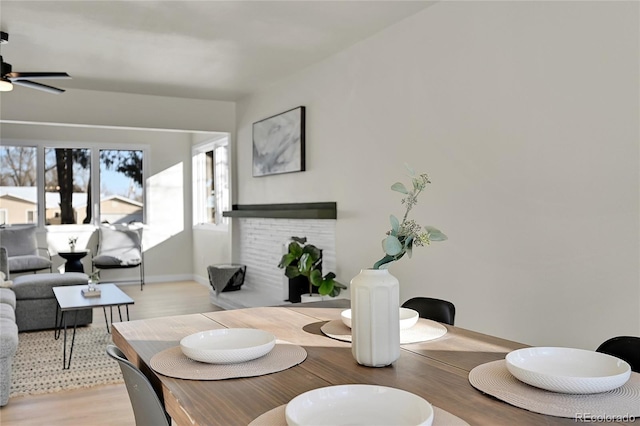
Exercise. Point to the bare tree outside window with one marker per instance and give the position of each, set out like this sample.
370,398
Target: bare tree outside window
67,185
121,186
18,180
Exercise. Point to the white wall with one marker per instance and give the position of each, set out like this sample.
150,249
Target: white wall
99,117
525,115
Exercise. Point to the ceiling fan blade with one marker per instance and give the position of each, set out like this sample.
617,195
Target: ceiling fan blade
17,76
37,86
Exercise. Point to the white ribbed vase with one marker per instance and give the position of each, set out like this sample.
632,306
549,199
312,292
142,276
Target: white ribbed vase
375,318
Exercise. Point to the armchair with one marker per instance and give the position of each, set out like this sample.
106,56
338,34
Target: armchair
120,246
22,249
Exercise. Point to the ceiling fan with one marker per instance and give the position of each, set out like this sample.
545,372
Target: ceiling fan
8,78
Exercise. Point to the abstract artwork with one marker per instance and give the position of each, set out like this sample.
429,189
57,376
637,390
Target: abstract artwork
278,143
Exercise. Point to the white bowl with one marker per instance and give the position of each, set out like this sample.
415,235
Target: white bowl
408,318
227,345
358,405
568,370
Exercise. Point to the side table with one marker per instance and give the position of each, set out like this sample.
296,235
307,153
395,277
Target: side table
73,263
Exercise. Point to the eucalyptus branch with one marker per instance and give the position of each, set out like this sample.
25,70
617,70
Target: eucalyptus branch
407,233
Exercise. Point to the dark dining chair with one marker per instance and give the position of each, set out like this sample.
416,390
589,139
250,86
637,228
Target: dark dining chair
433,309
626,348
148,410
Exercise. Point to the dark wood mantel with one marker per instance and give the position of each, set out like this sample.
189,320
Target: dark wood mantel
328,210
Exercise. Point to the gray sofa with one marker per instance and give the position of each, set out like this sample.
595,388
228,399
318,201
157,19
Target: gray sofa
29,304
8,332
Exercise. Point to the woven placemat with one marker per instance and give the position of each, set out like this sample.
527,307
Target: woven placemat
421,332
276,417
173,363
494,379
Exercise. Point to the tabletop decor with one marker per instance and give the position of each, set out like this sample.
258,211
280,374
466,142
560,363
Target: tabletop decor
363,404
375,292
173,362
423,331
72,243
493,378
277,417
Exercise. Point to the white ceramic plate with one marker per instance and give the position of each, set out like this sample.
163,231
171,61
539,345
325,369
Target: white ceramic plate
568,370
358,405
408,318
227,345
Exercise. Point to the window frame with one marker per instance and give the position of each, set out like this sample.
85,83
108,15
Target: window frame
198,204
95,148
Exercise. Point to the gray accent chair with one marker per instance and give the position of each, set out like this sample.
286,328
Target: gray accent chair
120,246
22,249
148,409
8,333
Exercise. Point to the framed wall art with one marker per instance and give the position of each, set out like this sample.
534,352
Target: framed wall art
278,143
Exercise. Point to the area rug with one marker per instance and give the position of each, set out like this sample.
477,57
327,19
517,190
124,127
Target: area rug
37,365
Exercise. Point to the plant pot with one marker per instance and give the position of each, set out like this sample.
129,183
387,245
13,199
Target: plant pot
375,319
312,298
297,287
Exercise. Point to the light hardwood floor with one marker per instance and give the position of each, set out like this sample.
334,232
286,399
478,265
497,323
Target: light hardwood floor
109,404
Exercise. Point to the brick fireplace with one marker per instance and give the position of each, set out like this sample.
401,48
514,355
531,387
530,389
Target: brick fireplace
262,242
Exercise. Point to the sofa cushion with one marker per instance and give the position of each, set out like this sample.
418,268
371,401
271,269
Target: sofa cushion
119,247
8,296
8,338
19,240
28,263
39,286
6,311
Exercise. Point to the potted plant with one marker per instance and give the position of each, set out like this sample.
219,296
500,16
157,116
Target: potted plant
304,262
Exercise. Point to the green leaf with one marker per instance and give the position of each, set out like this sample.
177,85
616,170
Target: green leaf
286,260
330,276
292,271
313,252
315,277
399,187
295,249
408,242
391,245
304,264
435,234
395,224
326,287
410,169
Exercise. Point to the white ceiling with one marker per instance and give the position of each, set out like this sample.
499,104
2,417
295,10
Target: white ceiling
193,49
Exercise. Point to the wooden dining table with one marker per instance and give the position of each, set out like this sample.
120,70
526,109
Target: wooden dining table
436,370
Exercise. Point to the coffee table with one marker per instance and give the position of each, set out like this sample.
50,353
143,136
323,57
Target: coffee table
70,299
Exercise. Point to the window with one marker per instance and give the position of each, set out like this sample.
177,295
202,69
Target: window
211,194
18,183
67,183
70,184
121,195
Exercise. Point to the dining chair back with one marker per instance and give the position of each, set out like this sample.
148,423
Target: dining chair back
433,309
148,410
626,348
